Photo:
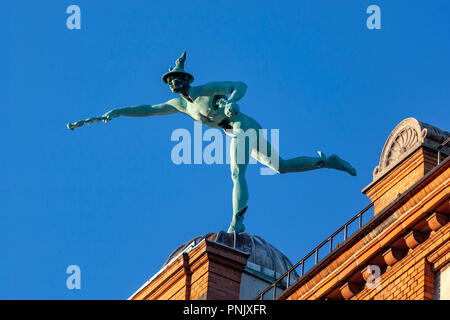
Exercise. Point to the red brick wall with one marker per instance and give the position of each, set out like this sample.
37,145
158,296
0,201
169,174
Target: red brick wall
210,271
400,179
412,278
410,274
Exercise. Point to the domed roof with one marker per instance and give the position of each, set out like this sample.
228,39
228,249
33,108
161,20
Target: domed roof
262,253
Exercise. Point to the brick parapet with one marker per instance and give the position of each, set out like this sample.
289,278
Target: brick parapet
209,271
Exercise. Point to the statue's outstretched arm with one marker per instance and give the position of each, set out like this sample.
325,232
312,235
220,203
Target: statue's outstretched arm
171,106
145,110
236,89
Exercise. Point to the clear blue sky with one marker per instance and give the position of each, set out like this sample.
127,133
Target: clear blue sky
108,198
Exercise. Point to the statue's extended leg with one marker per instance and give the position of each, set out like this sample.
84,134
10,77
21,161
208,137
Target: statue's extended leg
299,164
310,163
240,190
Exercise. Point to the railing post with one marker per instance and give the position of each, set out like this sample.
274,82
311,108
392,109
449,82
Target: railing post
331,244
439,149
317,256
345,232
288,277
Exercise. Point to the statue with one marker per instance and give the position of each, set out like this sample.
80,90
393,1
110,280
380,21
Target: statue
214,105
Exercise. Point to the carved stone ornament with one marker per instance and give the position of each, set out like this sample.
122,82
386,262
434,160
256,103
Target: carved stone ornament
405,139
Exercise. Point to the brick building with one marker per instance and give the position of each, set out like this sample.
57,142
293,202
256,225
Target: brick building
402,251
216,266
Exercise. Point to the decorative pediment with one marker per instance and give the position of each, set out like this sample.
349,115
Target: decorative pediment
409,135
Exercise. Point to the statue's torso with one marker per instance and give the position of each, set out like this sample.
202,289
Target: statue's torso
205,110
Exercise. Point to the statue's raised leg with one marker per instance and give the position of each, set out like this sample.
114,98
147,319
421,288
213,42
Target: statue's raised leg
299,164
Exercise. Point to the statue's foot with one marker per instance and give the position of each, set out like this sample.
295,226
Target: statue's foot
334,162
236,224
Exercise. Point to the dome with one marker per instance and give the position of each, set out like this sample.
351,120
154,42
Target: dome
263,255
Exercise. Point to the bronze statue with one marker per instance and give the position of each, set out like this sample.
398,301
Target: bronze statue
214,104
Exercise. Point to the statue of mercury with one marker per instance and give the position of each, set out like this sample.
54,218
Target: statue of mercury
214,105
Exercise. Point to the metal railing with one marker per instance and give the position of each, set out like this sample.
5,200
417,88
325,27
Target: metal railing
440,148
285,284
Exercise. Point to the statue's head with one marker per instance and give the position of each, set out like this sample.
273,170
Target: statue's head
178,83
177,79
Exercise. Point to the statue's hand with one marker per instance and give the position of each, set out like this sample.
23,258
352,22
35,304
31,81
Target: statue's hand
222,102
231,109
105,118
110,115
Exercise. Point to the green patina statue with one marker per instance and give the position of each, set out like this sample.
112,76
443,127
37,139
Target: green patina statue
214,104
